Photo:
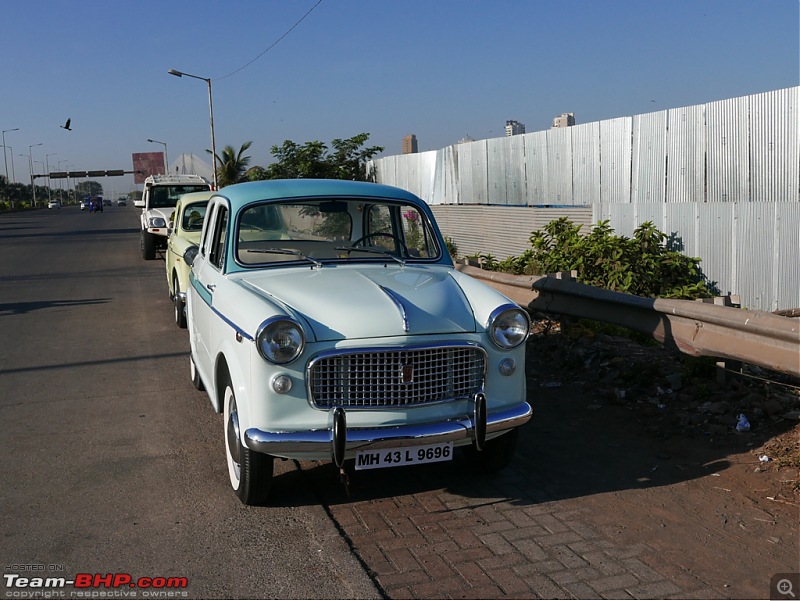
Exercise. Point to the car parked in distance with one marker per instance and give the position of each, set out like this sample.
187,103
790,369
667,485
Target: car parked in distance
327,322
53,204
122,202
185,226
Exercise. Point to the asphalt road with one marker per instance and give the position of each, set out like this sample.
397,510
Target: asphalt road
111,462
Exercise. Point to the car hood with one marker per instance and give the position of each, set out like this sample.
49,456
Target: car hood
163,212
341,302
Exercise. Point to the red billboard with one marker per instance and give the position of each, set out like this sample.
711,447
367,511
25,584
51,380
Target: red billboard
146,164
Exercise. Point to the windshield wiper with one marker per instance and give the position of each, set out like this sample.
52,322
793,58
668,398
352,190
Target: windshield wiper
286,251
376,251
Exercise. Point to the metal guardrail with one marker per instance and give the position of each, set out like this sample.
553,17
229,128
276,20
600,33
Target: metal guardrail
699,329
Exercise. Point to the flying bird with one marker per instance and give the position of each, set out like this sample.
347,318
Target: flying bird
66,125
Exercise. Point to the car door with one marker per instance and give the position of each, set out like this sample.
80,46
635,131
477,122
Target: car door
208,270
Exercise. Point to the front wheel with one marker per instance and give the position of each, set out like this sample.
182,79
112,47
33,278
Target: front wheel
148,246
180,306
250,472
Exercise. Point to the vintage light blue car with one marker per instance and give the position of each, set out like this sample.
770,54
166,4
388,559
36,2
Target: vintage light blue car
327,322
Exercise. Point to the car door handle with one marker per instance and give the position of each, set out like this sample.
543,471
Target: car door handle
211,287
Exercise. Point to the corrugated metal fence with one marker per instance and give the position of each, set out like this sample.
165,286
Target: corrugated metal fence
722,179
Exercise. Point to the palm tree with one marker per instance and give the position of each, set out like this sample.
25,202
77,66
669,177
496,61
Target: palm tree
231,166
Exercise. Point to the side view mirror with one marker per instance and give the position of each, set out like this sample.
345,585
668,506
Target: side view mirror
190,254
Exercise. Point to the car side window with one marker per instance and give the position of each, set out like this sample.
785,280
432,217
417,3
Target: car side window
216,255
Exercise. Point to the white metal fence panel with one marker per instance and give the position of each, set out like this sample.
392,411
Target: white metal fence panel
559,166
615,159
585,163
775,146
728,165
755,247
649,157
686,154
506,171
788,262
472,158
536,168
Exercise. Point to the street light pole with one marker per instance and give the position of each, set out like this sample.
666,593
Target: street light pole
13,175
177,73
47,166
30,165
5,160
166,158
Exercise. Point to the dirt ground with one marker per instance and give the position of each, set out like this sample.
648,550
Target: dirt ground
732,484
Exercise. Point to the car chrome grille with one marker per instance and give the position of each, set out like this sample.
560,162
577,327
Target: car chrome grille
396,377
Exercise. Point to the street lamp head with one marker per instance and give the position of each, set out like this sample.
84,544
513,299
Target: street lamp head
175,73
149,140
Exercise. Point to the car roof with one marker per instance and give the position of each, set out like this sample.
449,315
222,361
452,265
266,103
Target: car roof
241,194
195,196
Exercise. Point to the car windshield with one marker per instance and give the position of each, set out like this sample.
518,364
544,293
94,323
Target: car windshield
193,217
341,230
167,196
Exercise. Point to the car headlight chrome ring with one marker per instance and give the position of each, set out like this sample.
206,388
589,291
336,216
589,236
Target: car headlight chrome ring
280,340
157,222
508,326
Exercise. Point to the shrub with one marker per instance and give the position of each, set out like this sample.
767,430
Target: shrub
641,265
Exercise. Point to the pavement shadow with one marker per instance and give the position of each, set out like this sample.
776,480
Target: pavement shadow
21,308
566,451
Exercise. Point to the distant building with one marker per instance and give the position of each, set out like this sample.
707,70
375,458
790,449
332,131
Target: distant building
514,128
466,139
564,120
410,144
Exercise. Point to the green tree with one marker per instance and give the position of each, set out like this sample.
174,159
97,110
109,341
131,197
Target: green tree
87,188
346,160
231,166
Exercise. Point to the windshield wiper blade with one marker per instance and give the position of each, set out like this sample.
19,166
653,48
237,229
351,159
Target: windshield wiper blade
286,251
376,251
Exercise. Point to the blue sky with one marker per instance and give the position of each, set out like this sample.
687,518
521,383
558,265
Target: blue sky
441,69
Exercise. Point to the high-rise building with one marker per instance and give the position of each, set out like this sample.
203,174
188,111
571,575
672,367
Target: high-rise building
564,120
514,128
410,144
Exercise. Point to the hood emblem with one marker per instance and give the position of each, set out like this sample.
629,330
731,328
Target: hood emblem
399,304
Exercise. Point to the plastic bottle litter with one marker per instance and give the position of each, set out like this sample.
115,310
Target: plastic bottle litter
764,459
743,425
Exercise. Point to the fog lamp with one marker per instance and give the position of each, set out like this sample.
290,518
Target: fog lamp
281,383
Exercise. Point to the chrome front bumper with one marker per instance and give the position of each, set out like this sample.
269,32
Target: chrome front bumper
337,440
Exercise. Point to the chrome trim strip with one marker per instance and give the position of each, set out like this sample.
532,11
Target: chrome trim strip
319,442
206,296
399,304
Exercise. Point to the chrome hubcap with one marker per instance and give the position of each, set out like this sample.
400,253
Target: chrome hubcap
232,433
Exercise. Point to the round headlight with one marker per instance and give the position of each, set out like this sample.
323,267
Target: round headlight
157,222
509,326
280,340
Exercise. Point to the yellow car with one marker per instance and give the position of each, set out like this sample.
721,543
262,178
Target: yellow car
185,226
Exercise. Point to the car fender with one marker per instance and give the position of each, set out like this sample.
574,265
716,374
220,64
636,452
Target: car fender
233,359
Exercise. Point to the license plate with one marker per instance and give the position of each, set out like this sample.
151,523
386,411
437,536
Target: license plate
431,453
